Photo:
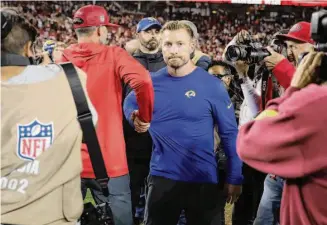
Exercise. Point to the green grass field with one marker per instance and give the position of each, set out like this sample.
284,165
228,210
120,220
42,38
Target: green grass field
228,208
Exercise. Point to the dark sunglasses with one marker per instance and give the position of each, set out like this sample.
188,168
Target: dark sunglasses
223,75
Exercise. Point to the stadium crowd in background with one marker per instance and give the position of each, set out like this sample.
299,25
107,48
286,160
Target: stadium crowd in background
217,26
189,93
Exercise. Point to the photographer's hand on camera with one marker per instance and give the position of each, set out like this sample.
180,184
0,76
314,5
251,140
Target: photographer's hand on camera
242,37
242,68
272,60
306,73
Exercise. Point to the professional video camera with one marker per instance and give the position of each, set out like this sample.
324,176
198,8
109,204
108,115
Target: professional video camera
319,30
253,52
319,35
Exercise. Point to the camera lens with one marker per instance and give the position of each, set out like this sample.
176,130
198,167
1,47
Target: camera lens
233,53
258,55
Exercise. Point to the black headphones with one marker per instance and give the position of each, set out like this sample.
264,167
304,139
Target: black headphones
11,16
6,26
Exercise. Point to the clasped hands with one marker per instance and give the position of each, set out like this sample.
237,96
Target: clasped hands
139,125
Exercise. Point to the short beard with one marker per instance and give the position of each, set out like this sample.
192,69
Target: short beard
176,67
151,45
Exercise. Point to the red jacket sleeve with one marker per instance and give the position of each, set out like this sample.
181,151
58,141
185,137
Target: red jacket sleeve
284,72
138,78
287,139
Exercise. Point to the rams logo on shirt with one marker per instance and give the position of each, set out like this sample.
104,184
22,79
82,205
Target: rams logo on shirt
190,94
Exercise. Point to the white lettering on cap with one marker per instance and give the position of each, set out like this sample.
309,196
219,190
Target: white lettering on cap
296,28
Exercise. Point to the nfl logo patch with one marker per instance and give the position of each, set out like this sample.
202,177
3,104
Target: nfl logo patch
33,139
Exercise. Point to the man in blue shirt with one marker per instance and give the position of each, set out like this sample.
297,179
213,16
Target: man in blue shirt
188,104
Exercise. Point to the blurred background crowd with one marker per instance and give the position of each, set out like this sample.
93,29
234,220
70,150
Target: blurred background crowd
217,23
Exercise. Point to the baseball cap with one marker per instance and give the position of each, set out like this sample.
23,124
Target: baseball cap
92,15
299,32
146,23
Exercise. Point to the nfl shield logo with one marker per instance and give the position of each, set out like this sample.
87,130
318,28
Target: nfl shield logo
33,139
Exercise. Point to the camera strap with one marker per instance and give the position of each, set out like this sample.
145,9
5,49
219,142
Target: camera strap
264,87
84,117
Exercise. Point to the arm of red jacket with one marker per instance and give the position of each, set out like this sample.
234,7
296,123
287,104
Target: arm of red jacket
138,78
278,140
284,72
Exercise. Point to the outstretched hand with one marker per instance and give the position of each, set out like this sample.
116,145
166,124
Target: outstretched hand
139,125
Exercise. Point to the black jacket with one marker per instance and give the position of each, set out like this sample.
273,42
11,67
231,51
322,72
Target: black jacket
152,62
140,145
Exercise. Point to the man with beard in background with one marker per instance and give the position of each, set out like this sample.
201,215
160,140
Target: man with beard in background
183,167
139,145
148,35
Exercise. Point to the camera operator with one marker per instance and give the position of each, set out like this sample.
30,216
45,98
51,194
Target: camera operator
245,208
298,41
288,139
41,136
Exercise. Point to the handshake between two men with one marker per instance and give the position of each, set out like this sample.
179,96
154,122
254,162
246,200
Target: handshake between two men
139,125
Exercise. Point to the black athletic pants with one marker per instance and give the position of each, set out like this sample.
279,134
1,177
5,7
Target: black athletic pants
167,198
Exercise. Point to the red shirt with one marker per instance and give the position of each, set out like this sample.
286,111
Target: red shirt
291,143
106,68
284,72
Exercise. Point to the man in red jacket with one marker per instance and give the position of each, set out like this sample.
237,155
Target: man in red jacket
288,139
298,41
106,68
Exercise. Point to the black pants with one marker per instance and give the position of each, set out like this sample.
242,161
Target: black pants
138,171
219,218
166,198
245,209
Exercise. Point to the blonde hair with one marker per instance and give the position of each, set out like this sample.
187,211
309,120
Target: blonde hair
193,27
177,25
